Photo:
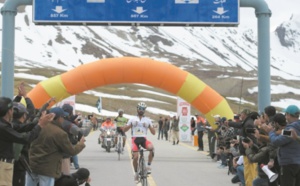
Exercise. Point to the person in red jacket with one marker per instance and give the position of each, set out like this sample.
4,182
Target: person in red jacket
107,124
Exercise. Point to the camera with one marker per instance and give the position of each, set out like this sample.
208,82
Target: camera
250,130
246,140
286,132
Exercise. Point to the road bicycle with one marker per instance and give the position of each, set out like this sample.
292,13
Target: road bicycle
142,169
119,145
136,1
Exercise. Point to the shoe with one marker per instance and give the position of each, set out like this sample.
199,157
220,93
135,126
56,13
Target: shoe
173,142
148,169
136,178
177,142
99,142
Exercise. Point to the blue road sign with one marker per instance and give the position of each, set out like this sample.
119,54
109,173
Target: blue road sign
137,12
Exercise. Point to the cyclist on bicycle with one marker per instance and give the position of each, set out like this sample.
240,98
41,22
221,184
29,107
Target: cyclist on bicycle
139,126
120,122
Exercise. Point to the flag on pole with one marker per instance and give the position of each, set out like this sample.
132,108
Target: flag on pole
99,104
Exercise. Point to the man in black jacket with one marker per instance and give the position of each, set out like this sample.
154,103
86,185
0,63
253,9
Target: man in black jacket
20,115
160,130
9,136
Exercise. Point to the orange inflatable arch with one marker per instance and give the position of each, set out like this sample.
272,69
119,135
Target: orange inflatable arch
133,70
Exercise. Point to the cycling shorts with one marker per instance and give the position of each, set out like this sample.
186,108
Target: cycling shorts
119,130
142,141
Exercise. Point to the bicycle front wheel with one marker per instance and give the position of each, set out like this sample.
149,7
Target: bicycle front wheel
143,172
119,151
144,181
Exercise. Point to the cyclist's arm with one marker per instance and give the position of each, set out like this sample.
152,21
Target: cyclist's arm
127,127
152,130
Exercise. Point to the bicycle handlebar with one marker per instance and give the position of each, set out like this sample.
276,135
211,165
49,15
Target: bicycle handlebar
141,149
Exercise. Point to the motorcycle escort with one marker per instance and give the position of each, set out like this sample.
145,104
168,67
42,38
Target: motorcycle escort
107,138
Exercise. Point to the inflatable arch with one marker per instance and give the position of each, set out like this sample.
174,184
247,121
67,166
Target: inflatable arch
133,70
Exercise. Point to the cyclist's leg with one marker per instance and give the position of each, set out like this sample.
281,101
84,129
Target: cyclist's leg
116,136
135,154
116,140
149,146
124,138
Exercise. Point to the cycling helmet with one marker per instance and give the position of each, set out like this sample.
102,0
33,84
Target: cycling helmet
142,105
120,110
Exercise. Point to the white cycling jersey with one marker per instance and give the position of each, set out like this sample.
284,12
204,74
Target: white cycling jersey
139,126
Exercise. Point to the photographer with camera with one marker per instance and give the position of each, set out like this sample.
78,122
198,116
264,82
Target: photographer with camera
20,116
233,153
225,135
74,133
262,153
246,122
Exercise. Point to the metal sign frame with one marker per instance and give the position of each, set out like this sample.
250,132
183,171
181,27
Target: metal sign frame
137,12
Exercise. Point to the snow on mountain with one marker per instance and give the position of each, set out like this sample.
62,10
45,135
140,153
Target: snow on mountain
74,45
195,49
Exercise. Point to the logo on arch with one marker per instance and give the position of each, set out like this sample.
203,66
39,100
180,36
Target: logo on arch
184,127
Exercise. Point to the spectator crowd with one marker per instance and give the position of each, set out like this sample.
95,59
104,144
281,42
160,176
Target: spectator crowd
258,149
37,145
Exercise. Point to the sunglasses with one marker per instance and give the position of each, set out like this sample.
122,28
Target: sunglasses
141,108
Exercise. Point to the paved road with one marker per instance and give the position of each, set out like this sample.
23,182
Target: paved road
179,165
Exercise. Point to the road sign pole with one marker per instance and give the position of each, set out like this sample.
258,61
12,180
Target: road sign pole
263,14
8,11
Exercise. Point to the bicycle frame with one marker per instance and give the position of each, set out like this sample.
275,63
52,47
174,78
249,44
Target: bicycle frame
119,145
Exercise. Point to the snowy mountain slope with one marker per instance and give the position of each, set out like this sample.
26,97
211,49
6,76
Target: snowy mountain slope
222,54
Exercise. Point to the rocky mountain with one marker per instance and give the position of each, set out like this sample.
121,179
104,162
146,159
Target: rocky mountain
224,58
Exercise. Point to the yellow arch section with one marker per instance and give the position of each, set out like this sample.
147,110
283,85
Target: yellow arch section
133,70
